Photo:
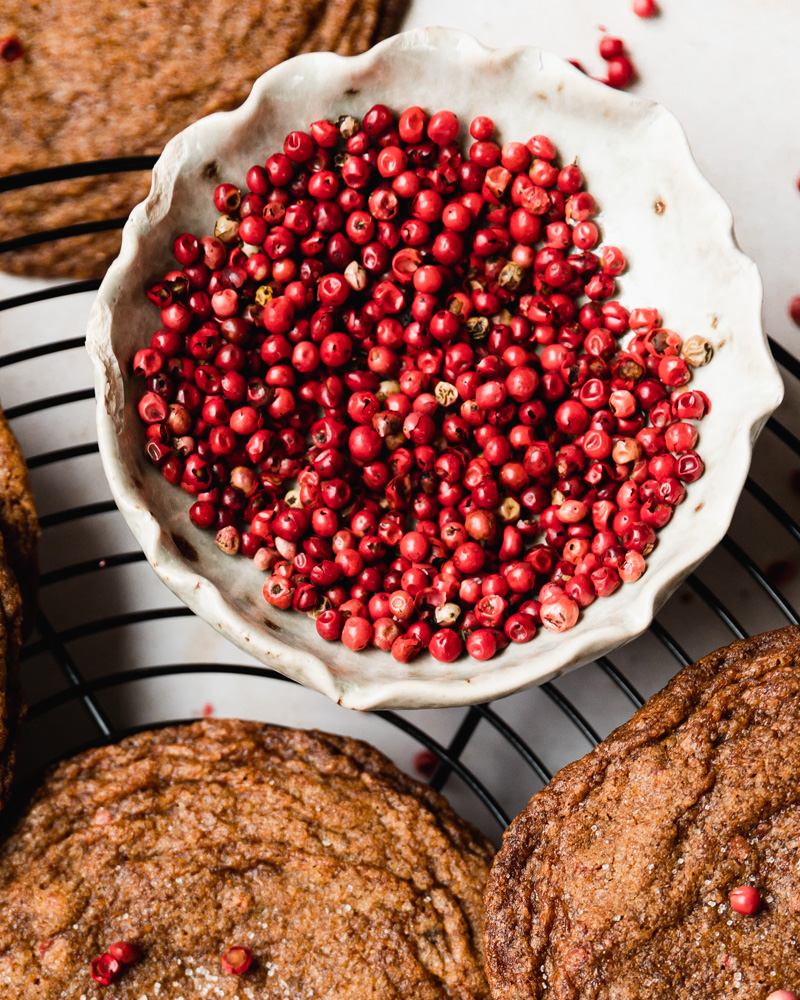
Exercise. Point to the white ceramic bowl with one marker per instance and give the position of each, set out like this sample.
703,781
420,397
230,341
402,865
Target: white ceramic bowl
675,230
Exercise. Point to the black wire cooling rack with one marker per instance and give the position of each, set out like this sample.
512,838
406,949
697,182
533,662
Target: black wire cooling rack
112,652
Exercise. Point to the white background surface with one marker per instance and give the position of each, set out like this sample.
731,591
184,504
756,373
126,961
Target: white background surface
730,73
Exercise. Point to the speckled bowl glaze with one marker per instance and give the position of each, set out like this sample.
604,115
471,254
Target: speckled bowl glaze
675,230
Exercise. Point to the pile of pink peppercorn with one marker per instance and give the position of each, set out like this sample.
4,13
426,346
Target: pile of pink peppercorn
394,378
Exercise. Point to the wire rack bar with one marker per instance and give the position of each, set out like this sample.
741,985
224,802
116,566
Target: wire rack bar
491,803
71,171
99,684
37,405
784,434
669,643
516,741
39,352
784,358
744,560
621,681
109,624
90,566
62,455
62,233
716,604
52,641
54,292
456,747
76,513
571,712
780,515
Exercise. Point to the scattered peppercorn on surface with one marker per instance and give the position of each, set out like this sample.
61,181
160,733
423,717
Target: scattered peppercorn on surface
396,377
236,859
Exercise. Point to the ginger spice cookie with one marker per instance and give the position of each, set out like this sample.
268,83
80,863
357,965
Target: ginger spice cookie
10,697
19,523
236,859
616,880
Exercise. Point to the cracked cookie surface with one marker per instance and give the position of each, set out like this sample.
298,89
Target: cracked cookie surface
342,875
19,523
11,614
614,881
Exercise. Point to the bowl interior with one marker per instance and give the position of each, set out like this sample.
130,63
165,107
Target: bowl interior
673,228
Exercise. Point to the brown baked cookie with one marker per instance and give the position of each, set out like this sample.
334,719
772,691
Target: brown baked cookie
614,882
10,698
342,876
19,524
109,78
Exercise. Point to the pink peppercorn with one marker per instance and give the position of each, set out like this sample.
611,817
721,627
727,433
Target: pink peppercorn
745,899
620,72
364,257
11,49
406,647
236,960
125,952
104,969
482,644
357,633
445,645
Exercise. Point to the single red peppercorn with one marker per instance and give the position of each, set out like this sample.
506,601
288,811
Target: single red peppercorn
620,72
357,633
406,647
324,133
125,952
298,146
445,645
482,128
11,49
559,613
520,627
482,644
610,47
442,127
227,198
745,899
411,124
236,960
104,969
